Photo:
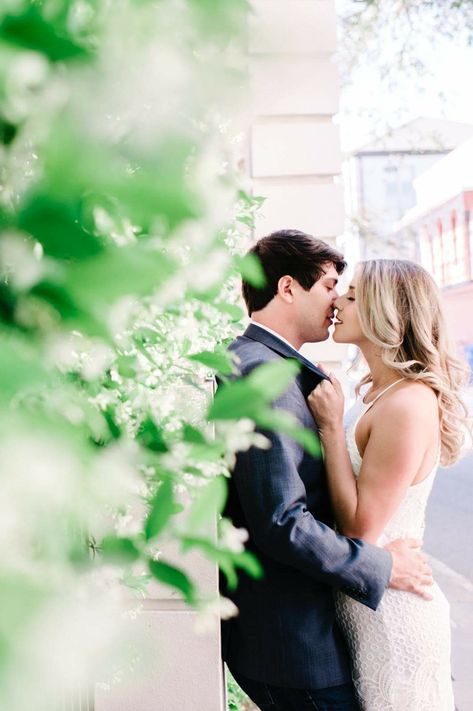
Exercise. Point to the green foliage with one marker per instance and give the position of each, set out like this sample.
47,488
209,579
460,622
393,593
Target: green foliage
162,508
228,559
391,44
237,700
121,232
221,361
254,394
251,270
174,578
31,30
211,497
119,550
252,398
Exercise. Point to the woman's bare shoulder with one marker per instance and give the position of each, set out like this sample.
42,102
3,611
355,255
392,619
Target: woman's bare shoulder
411,399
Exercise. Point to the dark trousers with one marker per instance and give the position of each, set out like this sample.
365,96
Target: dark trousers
276,698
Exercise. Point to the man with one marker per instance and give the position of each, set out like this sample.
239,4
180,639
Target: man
284,648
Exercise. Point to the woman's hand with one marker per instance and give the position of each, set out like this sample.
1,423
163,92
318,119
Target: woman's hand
327,403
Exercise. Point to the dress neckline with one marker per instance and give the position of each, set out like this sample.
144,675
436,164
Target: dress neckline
351,433
391,385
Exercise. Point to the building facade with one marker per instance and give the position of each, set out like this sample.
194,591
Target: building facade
381,177
441,223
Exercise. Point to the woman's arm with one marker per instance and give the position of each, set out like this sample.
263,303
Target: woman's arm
393,455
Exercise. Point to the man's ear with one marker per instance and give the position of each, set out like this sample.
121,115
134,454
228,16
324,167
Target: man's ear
286,289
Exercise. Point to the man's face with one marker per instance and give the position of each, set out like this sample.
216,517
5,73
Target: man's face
314,309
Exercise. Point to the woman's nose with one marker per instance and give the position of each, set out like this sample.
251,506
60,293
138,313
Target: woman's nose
336,303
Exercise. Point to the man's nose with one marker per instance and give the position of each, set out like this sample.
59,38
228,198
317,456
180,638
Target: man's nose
336,302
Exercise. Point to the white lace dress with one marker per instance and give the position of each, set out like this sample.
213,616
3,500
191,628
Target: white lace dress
401,652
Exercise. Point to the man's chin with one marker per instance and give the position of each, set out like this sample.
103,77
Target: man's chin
322,335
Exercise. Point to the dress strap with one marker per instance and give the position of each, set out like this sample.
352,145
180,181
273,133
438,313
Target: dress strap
369,404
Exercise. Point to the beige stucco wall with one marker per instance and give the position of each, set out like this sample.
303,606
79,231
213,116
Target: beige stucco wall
294,146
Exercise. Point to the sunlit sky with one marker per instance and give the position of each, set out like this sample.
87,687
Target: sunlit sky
445,92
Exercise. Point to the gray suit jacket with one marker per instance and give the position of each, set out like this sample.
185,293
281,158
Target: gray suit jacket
286,632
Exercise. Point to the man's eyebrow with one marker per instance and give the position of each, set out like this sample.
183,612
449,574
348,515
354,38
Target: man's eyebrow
334,279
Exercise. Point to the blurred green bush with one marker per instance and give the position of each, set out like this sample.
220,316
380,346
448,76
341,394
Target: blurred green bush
121,229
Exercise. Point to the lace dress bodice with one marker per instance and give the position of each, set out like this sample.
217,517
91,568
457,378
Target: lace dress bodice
400,652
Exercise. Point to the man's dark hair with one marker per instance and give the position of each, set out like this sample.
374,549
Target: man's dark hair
293,253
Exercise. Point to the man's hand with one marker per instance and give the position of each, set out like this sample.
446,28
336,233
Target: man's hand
411,571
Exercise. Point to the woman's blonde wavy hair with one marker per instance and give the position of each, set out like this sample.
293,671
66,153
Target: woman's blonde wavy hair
400,311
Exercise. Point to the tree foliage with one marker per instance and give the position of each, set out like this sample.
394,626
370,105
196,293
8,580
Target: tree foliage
394,44
121,229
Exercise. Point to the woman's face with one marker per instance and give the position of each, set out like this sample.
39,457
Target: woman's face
347,323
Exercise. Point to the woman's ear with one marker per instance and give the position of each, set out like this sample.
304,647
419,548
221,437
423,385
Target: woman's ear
286,289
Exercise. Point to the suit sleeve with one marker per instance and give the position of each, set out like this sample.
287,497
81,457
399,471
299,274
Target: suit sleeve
273,498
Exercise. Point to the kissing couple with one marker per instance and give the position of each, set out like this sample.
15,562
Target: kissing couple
347,616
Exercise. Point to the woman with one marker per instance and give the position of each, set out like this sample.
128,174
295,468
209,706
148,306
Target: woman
381,465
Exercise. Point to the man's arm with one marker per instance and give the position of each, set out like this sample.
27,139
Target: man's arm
273,498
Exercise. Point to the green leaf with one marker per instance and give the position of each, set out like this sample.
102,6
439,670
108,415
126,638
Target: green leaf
119,550
192,434
247,396
227,560
74,317
157,186
8,302
20,368
250,200
282,421
273,379
220,362
8,131
137,583
113,427
235,312
147,335
228,569
57,226
208,451
126,365
208,504
163,507
118,271
235,400
58,297
29,29
173,577
151,437
249,563
246,220
251,397
251,270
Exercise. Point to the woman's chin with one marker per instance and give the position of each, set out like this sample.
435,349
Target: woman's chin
337,336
